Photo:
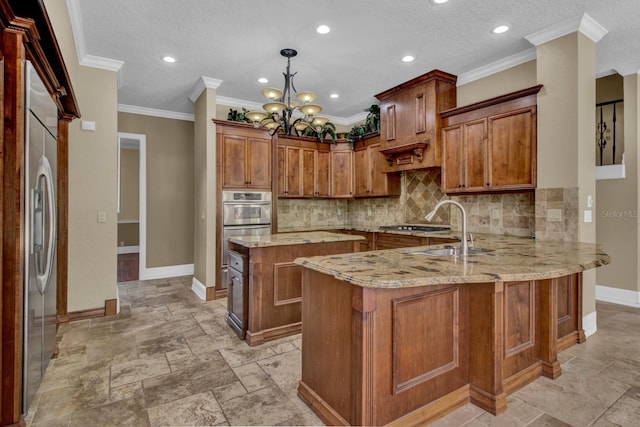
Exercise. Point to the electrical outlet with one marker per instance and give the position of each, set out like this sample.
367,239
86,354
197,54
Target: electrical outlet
495,213
102,216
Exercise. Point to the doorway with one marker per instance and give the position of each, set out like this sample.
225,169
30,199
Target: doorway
131,206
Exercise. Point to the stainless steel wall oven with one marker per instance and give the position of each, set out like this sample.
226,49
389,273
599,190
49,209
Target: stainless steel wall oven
244,213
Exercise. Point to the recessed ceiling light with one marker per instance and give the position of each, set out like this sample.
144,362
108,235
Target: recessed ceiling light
169,59
263,80
407,58
500,29
323,29
334,96
439,1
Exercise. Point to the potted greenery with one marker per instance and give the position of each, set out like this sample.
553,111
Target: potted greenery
238,116
371,124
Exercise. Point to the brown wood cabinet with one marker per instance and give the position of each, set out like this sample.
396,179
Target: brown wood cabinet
245,156
409,121
341,171
395,241
269,283
303,168
369,180
417,353
491,145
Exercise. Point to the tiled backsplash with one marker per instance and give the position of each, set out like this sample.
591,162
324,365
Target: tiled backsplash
562,223
511,213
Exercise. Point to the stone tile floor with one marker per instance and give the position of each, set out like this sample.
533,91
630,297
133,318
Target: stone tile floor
169,359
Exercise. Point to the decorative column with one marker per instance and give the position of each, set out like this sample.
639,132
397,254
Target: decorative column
565,197
205,257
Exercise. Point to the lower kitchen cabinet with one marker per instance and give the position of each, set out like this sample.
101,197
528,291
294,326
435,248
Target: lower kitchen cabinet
237,310
265,298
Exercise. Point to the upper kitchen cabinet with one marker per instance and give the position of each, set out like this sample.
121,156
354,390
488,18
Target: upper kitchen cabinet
303,167
370,181
410,123
245,156
341,170
491,145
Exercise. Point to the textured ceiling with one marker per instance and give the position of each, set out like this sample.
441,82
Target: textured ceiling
239,41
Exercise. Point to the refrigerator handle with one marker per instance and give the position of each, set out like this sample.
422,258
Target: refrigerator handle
44,176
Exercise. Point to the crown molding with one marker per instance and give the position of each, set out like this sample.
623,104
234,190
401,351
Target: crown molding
102,63
238,103
346,121
84,59
133,109
497,66
584,23
202,84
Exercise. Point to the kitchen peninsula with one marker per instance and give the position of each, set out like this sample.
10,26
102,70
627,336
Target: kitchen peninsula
265,291
401,337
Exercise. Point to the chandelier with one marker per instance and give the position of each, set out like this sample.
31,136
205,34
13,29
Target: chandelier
279,109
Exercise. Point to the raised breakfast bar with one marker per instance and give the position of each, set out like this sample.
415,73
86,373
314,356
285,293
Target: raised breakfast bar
400,337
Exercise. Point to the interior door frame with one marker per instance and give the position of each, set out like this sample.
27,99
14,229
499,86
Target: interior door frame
142,198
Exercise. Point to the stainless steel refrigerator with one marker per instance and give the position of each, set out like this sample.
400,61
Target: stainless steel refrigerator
39,225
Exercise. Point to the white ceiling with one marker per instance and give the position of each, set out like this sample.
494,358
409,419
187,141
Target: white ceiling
239,41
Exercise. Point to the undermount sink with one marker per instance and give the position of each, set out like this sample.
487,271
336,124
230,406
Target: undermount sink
450,251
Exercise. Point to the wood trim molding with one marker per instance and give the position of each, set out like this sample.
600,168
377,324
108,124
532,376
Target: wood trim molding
63,217
109,309
492,101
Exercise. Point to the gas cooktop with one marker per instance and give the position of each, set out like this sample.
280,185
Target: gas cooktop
422,227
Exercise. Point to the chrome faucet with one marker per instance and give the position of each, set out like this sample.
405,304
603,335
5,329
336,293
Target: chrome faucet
464,246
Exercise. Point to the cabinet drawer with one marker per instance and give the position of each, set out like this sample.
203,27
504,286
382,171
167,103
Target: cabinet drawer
237,261
393,241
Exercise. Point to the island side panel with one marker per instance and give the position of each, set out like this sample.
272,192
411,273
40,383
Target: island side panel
569,309
326,384
420,365
275,288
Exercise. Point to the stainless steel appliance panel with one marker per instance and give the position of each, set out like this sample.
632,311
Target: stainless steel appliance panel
40,234
240,214
245,230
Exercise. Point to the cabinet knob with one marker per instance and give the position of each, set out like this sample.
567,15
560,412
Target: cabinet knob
488,184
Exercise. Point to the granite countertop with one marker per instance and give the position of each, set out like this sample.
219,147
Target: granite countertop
513,258
296,238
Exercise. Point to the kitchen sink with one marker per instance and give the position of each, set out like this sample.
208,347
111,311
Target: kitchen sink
450,251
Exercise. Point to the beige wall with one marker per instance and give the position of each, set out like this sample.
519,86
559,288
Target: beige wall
519,77
92,176
129,185
206,259
617,226
170,195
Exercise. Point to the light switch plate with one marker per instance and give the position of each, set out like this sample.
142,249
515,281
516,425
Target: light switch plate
554,215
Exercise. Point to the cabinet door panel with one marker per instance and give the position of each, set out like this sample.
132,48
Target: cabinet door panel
342,173
282,171
259,165
322,176
308,172
234,159
452,160
379,180
362,171
294,172
475,154
511,148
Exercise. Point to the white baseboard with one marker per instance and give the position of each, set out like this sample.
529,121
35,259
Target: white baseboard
169,271
589,323
199,289
128,250
618,296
